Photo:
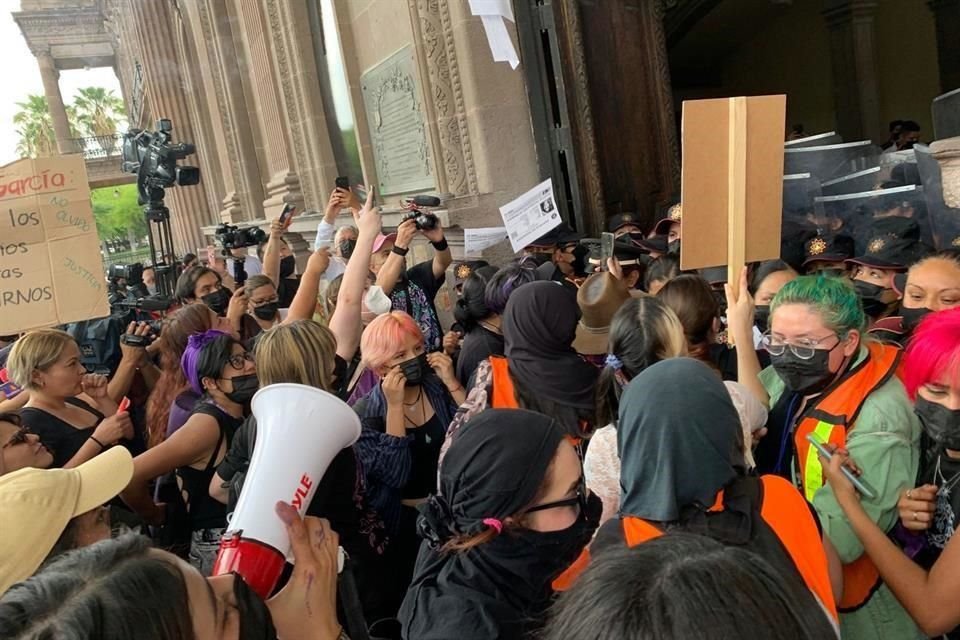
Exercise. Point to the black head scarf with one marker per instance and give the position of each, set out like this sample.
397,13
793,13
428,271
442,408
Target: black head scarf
497,589
539,325
679,440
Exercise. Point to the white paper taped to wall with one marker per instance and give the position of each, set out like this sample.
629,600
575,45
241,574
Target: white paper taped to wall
493,14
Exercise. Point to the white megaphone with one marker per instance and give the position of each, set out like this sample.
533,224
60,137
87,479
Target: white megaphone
300,430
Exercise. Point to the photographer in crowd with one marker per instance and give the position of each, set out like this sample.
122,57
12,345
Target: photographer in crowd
413,290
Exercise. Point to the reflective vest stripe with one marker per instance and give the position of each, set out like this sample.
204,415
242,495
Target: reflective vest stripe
812,469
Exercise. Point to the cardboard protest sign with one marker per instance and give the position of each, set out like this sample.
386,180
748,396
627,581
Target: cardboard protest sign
51,270
732,181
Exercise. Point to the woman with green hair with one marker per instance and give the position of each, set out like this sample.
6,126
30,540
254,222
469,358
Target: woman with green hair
826,380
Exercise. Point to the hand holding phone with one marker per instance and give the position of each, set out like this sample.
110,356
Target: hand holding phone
286,216
606,249
861,485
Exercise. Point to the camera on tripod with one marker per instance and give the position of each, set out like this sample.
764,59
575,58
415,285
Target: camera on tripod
232,237
152,156
425,220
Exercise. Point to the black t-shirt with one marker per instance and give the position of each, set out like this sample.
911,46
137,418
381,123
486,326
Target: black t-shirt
425,458
414,294
478,345
61,438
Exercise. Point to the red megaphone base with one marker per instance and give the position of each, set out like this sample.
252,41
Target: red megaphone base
259,564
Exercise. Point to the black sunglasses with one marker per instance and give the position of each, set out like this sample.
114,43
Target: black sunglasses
580,500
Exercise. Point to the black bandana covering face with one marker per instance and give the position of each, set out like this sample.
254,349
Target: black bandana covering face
255,620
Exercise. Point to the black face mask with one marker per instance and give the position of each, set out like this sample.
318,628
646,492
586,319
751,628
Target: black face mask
940,423
255,620
673,247
267,311
243,388
761,317
217,301
414,370
346,248
912,317
580,255
557,550
287,266
870,294
804,376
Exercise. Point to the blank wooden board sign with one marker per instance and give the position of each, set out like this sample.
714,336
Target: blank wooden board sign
732,181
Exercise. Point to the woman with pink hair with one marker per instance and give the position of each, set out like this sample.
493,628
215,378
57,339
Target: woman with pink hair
924,575
405,419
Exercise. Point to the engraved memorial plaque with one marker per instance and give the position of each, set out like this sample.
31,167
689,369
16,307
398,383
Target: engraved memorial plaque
397,131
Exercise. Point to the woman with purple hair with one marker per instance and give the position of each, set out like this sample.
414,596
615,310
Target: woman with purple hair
221,370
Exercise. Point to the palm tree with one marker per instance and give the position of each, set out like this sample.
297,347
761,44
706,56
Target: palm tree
98,111
35,128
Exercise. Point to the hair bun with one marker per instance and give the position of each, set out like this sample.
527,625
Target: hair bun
435,524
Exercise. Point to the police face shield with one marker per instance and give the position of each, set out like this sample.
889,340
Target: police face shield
832,161
856,214
944,217
866,180
819,140
799,191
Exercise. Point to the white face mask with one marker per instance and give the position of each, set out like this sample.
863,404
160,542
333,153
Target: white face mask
375,303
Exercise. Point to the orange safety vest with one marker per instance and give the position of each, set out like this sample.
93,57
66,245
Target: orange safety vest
503,396
830,418
790,521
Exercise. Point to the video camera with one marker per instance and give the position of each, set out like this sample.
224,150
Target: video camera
232,237
425,220
152,156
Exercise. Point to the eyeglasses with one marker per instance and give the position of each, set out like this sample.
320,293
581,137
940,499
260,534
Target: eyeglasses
803,348
20,437
580,500
237,361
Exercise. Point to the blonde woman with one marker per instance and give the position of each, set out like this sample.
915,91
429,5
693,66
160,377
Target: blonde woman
74,413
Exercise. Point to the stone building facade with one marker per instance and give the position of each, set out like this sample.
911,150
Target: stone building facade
282,96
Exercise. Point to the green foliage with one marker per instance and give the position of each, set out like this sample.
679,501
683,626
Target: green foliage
95,112
117,213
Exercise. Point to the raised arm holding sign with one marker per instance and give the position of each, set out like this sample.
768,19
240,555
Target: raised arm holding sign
51,270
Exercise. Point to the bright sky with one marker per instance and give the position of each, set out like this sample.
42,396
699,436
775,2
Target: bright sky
22,77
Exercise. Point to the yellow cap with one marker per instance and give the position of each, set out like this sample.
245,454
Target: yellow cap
37,504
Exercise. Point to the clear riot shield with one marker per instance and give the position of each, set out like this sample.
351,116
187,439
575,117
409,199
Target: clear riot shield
857,213
831,137
897,166
832,161
799,190
944,220
866,180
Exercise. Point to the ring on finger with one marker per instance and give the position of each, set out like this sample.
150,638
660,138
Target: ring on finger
915,516
910,493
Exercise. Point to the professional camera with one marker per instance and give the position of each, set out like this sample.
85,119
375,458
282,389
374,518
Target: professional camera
231,237
131,273
152,156
425,220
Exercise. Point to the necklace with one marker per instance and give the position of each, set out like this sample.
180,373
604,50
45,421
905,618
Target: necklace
942,527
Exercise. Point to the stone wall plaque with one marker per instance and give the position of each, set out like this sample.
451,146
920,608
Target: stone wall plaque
398,134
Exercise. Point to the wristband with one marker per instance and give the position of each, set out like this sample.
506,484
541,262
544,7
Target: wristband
102,446
400,251
441,245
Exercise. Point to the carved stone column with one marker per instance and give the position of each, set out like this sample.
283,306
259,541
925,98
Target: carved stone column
444,108
296,68
164,89
854,64
283,183
946,15
58,113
